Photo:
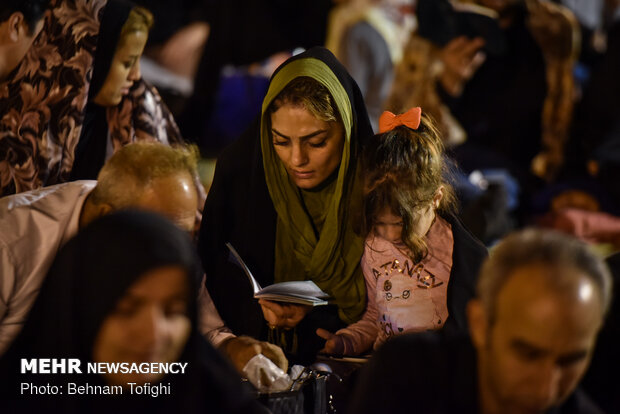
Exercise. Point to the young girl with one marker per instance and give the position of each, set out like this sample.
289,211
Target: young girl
122,107
419,263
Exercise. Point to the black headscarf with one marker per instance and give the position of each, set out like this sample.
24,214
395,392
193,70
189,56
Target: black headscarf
91,149
89,276
239,210
114,17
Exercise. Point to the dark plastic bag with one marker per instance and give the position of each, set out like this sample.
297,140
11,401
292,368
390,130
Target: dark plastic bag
310,398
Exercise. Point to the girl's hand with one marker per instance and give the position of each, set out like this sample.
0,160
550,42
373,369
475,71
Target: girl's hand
283,315
333,343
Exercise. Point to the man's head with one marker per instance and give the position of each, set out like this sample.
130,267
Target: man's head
542,298
152,176
20,23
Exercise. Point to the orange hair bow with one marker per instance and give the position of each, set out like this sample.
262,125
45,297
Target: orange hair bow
388,121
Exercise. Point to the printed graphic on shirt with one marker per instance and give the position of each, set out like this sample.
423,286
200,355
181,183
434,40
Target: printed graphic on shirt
409,297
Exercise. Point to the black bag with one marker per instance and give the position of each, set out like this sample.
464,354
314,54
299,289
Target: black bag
283,402
310,398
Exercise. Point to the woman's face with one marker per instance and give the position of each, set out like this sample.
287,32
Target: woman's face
124,70
310,149
149,324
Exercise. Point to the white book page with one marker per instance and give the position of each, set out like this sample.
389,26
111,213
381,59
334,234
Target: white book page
255,286
300,288
301,300
303,292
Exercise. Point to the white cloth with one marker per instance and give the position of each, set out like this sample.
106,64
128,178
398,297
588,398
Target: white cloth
33,227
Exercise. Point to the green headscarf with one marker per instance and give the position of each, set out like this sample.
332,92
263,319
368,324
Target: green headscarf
333,260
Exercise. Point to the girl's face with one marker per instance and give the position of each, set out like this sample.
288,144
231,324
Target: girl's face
310,149
388,226
149,324
124,70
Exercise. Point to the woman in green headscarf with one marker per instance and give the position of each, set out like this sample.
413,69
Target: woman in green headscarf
286,196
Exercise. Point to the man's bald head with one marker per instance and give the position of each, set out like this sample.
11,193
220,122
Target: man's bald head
553,251
151,176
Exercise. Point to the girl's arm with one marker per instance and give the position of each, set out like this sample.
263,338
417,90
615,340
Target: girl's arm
359,337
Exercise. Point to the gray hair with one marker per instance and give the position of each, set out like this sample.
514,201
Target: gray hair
541,247
130,171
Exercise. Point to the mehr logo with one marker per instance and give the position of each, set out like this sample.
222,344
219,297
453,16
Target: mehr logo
51,366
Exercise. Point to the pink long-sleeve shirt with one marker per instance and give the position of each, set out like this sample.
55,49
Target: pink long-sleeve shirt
402,296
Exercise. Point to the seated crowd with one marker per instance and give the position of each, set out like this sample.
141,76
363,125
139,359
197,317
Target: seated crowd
115,248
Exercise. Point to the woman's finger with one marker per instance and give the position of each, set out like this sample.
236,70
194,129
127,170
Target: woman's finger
270,316
273,306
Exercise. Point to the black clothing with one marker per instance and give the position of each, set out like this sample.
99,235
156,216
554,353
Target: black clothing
239,210
171,16
91,273
273,26
430,373
501,110
596,119
501,105
601,380
595,131
467,257
90,152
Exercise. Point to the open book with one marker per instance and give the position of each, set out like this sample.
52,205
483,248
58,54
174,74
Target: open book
440,21
304,292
